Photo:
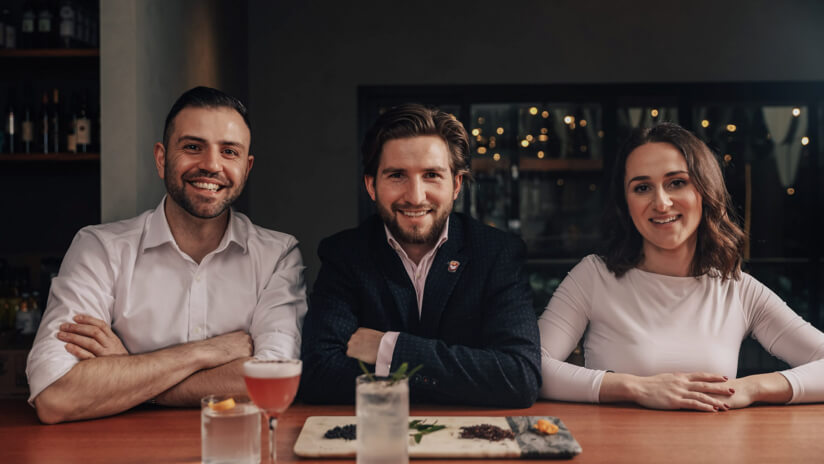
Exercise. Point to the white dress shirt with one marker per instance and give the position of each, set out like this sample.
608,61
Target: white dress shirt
646,324
417,274
133,275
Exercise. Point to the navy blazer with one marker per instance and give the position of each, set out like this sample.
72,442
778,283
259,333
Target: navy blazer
477,335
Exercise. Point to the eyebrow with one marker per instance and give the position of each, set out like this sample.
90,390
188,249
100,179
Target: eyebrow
391,170
669,174
192,138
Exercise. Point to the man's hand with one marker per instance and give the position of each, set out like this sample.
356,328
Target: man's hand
90,338
364,344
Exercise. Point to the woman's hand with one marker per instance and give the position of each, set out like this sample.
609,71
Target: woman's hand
765,388
698,390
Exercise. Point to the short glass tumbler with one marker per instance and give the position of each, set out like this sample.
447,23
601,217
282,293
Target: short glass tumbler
229,435
382,407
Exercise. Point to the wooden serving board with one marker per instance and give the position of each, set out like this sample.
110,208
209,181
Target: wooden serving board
446,443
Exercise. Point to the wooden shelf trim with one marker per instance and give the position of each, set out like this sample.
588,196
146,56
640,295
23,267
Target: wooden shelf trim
63,157
50,53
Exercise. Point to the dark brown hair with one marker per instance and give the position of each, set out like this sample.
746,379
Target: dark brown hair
720,239
414,120
202,97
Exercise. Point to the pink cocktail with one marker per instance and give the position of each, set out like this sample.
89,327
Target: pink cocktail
272,385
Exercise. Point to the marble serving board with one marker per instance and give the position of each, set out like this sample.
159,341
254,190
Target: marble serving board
446,443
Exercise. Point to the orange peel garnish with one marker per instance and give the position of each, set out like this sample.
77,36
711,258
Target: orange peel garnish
546,427
224,405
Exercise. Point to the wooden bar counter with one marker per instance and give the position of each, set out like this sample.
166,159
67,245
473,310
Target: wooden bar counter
607,434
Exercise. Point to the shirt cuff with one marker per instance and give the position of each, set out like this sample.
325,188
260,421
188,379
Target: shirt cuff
385,352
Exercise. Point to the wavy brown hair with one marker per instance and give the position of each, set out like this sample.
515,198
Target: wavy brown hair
414,120
720,239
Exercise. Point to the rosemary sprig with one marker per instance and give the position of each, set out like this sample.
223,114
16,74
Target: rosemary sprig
400,373
366,372
423,429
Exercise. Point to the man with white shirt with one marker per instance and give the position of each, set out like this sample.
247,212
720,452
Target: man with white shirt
166,306
419,284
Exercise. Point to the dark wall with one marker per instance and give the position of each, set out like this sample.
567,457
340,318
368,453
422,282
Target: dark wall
307,59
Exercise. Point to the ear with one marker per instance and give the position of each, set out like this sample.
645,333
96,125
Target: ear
369,182
160,159
457,183
251,161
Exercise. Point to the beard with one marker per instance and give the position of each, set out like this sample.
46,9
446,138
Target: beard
199,209
416,235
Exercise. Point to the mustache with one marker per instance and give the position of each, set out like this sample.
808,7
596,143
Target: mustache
397,206
202,173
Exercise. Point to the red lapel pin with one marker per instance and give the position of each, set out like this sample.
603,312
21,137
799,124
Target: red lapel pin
453,266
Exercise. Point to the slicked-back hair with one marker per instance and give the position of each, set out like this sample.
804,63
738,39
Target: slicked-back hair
720,240
414,120
203,97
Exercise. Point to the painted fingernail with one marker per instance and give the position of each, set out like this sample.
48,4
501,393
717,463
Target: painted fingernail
726,378
726,406
715,408
732,390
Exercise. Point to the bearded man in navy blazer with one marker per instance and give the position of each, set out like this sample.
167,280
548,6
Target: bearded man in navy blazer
417,283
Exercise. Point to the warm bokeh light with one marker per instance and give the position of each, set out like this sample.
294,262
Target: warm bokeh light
545,114
654,112
541,154
544,130
524,143
600,134
727,158
476,132
560,182
529,137
731,127
568,119
481,150
805,141
496,156
796,112
499,130
584,148
533,111
705,123
583,123
790,191
481,119
543,138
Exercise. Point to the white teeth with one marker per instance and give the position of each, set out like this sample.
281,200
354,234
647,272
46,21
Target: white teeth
413,213
664,221
206,185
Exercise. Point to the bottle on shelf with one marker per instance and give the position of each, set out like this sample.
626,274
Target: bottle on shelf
68,25
7,29
27,130
71,132
10,125
83,127
44,142
54,122
45,27
27,25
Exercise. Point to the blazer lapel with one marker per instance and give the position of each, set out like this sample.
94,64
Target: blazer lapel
449,263
397,280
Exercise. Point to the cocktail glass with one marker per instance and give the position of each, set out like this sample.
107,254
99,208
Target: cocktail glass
382,407
272,385
230,433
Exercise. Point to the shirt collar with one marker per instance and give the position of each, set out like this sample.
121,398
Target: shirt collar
157,231
398,248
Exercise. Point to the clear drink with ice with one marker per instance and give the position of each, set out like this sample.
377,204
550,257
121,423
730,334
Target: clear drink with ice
382,408
231,435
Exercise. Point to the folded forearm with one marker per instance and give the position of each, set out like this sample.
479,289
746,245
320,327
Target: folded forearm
112,384
222,380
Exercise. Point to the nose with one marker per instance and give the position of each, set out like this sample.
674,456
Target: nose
661,201
210,160
416,192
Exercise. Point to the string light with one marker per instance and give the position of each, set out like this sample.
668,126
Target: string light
731,127
568,119
727,158
530,137
583,123
544,130
654,112
481,150
533,111
796,112
545,114
705,123
790,191
541,154
600,134
476,132
543,138
499,130
560,182
496,156
524,143
805,141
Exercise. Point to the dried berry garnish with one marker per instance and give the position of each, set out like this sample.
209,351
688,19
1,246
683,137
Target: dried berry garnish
347,432
487,432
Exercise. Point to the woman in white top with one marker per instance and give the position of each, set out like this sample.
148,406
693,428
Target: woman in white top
665,310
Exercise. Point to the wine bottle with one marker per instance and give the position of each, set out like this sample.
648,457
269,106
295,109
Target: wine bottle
71,133
54,121
67,24
8,29
45,26
43,124
29,19
27,130
10,125
3,19
83,127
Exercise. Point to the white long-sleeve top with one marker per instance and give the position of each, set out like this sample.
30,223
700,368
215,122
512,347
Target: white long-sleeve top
645,324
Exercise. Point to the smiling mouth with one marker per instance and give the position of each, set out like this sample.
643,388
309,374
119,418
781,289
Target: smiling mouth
414,213
206,186
665,220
